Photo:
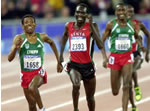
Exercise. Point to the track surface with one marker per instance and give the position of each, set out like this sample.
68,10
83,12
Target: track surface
56,94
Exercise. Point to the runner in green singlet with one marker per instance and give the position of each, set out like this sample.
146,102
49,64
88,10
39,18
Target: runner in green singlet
120,63
30,48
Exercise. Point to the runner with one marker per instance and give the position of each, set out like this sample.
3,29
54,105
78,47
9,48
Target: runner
121,59
81,66
138,56
30,48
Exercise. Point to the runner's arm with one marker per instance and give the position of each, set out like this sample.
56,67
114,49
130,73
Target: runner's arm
107,31
15,46
63,42
146,32
48,40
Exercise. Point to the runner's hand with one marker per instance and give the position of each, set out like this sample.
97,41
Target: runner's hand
105,63
147,57
59,67
90,18
19,41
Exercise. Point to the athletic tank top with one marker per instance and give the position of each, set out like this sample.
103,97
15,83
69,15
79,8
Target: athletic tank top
81,44
31,55
134,44
121,38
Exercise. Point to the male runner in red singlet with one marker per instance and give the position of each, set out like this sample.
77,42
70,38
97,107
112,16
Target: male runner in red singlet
81,67
31,54
120,32
138,56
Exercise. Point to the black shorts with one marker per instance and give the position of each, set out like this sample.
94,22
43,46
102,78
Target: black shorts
136,53
87,70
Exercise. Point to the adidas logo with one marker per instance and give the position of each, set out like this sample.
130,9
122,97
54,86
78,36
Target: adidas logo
129,30
39,46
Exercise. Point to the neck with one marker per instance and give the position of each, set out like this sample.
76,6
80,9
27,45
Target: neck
79,25
122,21
29,34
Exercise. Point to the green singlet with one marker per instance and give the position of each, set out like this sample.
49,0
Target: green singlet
31,55
121,38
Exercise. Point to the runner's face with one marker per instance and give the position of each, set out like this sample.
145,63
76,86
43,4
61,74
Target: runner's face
130,13
80,14
29,25
121,12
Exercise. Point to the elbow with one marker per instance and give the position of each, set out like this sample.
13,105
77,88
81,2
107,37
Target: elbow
10,58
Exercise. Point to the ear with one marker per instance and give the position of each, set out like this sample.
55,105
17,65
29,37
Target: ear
115,13
22,26
35,24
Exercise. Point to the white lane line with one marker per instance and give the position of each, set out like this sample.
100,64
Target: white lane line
98,93
48,64
50,76
16,84
139,102
108,90
67,85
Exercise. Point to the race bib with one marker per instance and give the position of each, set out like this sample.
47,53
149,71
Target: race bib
32,62
122,43
78,44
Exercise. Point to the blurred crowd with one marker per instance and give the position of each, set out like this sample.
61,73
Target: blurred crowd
13,9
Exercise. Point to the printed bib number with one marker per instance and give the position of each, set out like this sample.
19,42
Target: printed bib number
122,43
32,61
78,44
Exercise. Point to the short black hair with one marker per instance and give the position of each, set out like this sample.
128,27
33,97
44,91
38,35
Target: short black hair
129,6
28,15
84,5
121,3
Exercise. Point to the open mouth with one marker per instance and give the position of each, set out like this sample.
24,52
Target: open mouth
80,18
121,16
30,27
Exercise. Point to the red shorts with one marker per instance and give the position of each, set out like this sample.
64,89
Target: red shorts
27,76
117,60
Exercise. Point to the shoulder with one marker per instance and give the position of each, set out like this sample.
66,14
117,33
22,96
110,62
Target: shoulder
110,24
95,24
17,37
68,23
44,36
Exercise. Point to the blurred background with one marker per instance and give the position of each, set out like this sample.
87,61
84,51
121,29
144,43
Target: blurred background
52,15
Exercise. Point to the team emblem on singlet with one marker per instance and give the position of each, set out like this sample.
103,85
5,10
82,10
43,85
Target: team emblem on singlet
78,44
32,61
27,46
118,30
122,42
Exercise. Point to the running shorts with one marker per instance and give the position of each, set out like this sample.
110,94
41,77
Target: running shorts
118,60
87,70
27,76
136,53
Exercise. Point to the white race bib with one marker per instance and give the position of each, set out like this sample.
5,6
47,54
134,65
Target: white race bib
78,44
32,62
122,43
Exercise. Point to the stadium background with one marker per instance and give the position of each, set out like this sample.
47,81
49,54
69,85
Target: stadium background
51,17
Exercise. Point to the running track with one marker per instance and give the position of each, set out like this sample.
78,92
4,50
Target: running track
56,94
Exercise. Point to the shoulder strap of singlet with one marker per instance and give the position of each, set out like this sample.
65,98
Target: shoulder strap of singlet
130,25
39,38
25,39
137,23
115,24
